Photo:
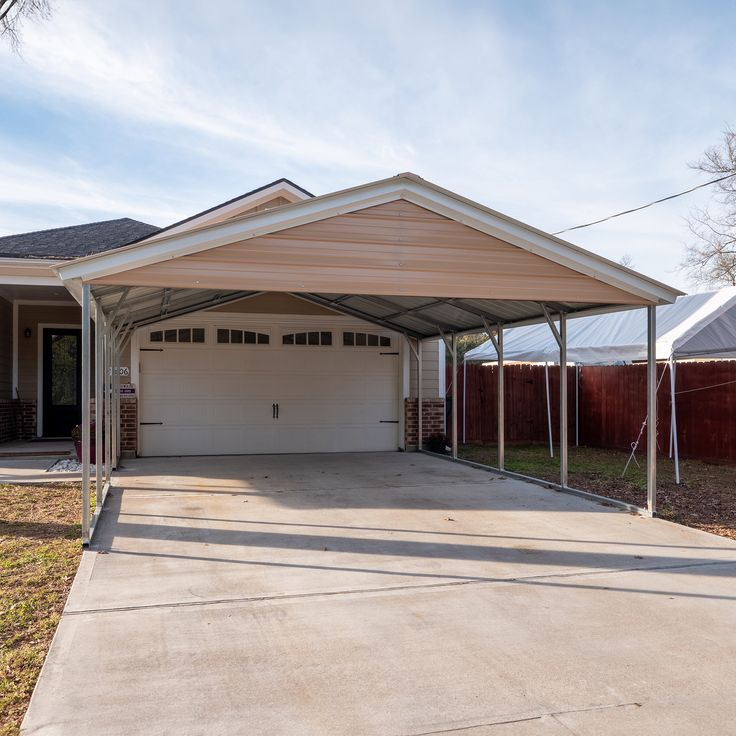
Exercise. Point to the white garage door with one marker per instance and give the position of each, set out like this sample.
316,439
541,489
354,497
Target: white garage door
223,390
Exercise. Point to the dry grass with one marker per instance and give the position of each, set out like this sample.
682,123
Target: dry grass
706,498
40,548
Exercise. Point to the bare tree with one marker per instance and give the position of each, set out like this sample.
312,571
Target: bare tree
626,260
711,259
14,12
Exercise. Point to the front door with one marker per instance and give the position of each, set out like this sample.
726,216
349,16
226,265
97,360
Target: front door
62,380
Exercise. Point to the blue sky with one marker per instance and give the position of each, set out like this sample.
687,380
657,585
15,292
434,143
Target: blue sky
553,112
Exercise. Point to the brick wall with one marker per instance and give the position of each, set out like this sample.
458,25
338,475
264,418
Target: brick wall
128,426
17,420
433,420
8,411
25,422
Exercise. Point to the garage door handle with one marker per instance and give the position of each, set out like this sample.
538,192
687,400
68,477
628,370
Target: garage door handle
277,411
388,421
145,424
273,411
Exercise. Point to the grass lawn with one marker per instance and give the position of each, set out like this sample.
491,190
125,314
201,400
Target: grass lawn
706,498
40,548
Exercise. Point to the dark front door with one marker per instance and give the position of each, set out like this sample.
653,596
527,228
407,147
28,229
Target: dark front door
62,380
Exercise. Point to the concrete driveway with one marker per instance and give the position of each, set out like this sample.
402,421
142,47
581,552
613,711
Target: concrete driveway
385,594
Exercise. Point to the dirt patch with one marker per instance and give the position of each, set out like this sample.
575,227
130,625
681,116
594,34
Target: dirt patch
705,499
40,548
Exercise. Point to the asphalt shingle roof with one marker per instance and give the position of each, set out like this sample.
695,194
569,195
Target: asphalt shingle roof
75,241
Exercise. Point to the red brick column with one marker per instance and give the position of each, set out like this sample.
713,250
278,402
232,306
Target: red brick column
128,426
433,420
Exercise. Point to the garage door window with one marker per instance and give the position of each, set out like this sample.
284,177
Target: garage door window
226,336
180,334
307,338
365,339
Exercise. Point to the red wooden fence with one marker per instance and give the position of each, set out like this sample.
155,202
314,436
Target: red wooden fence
611,406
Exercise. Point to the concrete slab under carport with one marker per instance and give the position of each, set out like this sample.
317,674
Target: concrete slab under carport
385,594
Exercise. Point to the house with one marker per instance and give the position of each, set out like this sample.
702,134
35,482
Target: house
343,390
280,322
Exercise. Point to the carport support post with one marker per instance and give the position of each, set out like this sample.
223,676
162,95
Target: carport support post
454,395
652,410
563,399
108,402
420,418
85,411
99,401
501,400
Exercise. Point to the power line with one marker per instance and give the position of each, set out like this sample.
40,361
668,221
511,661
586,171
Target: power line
644,206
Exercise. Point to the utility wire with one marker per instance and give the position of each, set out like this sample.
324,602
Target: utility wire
644,206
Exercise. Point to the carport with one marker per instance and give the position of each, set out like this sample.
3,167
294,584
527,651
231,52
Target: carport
400,253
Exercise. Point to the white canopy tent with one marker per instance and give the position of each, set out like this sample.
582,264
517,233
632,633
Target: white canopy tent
695,326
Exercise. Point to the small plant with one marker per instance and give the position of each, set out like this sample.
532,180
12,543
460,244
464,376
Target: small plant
437,443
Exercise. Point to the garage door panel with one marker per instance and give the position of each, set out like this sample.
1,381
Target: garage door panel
219,399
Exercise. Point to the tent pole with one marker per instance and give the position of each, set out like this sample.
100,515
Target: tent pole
85,412
673,418
454,395
501,401
465,384
652,410
549,410
99,402
563,400
577,405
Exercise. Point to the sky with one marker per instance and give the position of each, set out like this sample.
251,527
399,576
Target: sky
555,113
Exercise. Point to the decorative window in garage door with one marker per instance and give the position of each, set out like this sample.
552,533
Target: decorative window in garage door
313,337
227,336
178,334
365,339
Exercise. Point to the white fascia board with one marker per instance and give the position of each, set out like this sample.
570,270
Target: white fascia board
408,187
41,272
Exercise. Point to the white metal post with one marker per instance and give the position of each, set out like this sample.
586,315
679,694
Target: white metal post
549,410
465,393
673,418
99,402
116,403
454,395
85,412
501,401
577,405
652,410
108,402
420,408
563,400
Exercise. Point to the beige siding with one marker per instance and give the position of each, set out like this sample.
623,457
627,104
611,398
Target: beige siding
430,371
6,349
274,304
392,249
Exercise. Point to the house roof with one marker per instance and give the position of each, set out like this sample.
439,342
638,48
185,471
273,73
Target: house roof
78,241
75,241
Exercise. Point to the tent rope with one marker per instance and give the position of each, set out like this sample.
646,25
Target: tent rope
703,388
635,444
